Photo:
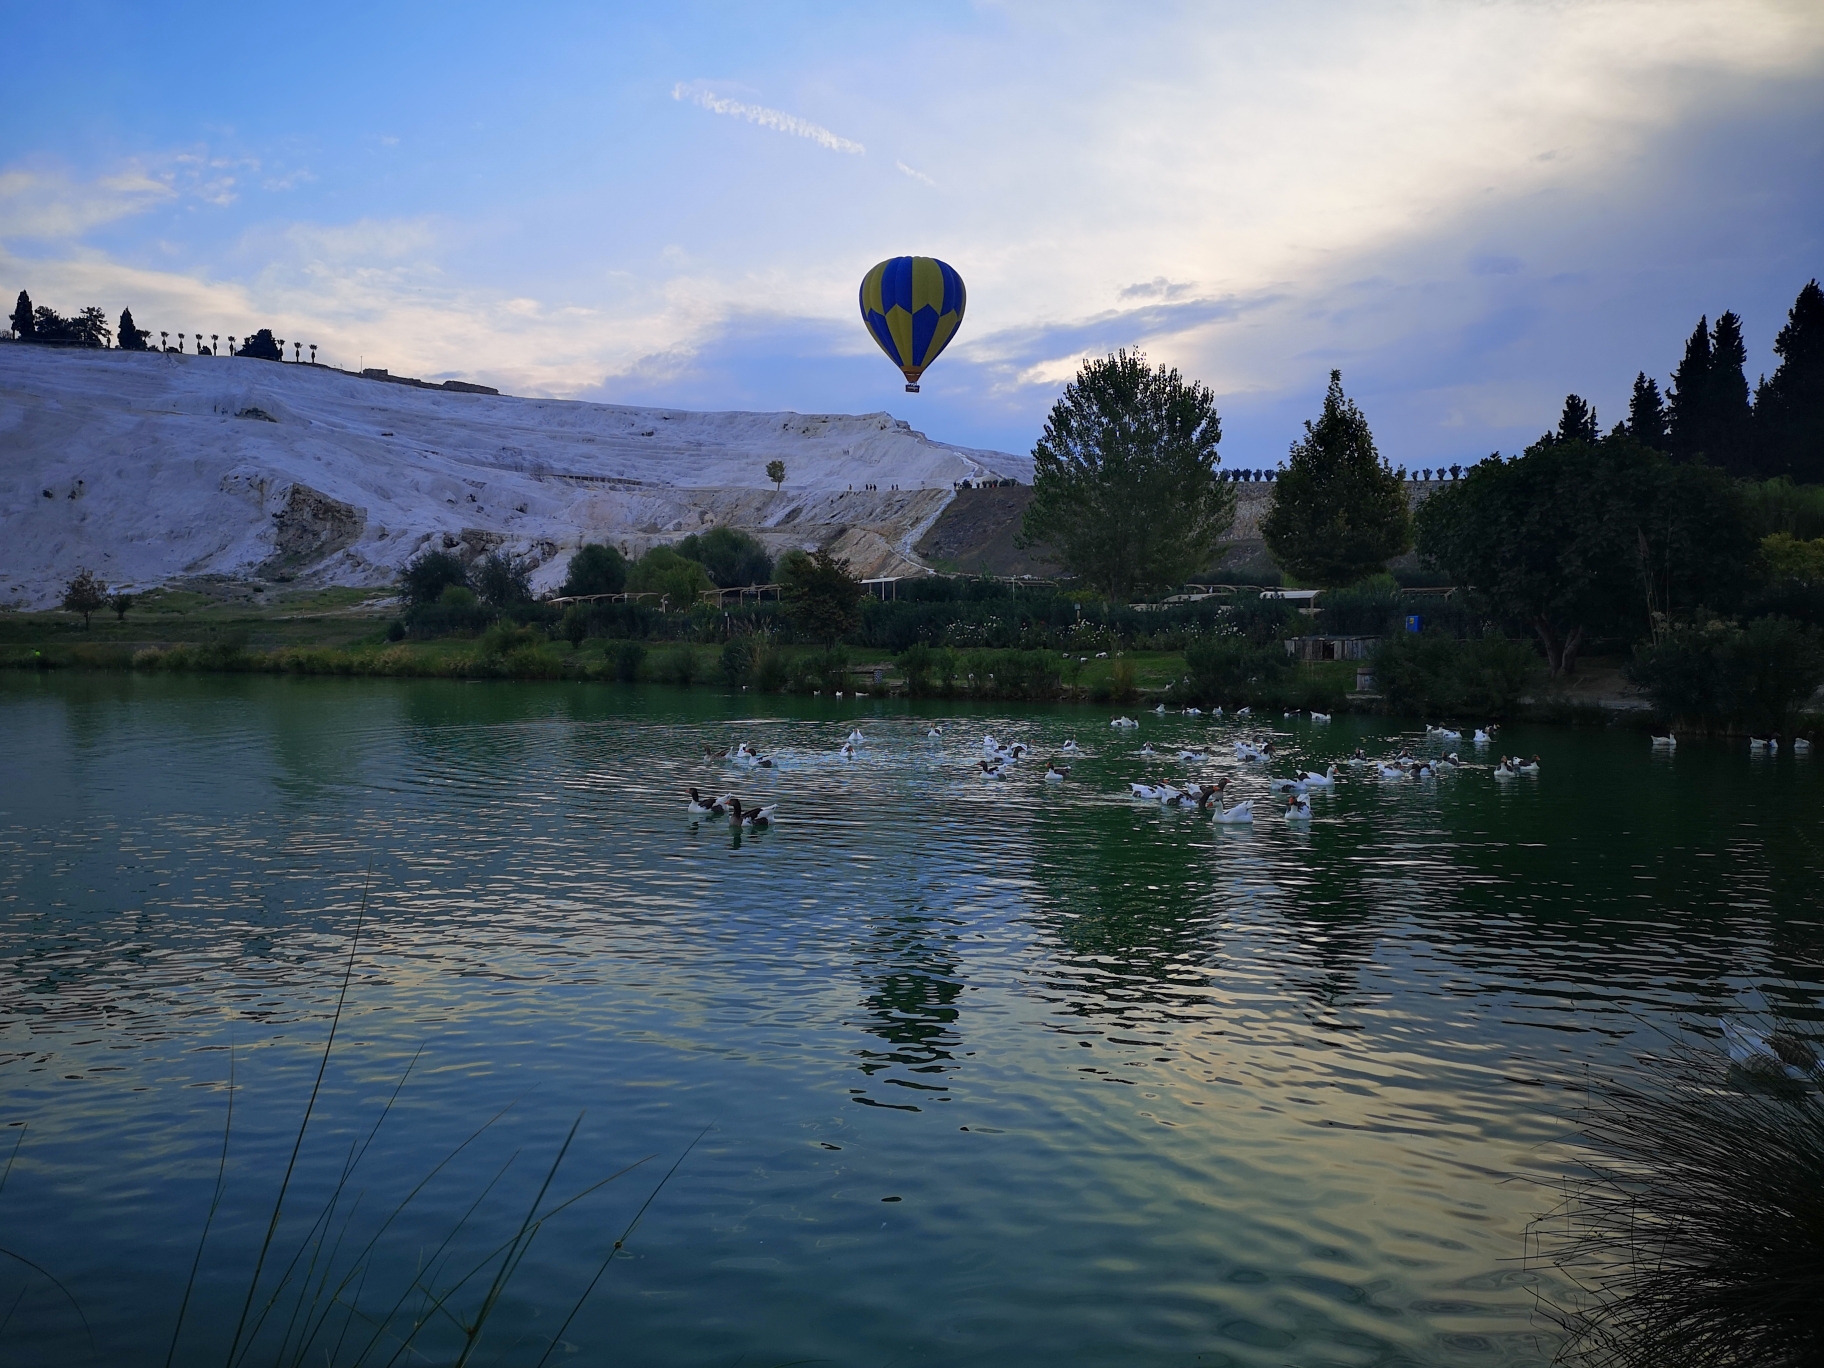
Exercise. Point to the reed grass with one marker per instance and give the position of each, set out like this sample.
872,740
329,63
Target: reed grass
1694,1232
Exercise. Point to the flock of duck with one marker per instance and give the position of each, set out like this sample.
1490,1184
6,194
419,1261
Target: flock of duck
999,760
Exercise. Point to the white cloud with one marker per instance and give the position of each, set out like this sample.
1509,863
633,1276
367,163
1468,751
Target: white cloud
916,175
776,119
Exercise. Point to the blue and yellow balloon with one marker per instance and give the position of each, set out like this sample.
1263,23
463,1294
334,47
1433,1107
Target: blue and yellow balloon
913,307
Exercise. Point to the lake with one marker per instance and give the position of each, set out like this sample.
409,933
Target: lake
950,1070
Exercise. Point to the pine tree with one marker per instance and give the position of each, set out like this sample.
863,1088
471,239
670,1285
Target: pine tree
1789,408
1578,421
1647,414
130,337
1686,397
24,320
1731,417
1338,513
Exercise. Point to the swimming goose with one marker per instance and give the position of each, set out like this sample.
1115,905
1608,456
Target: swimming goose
1241,814
935,732
1215,712
1193,712
1150,792
1188,756
750,817
709,754
1507,769
1160,708
697,807
1387,771
744,751
1360,757
1019,750
1320,717
1053,770
1315,780
1666,742
1482,738
1124,722
1801,746
1244,712
1070,745
1147,749
990,745
1781,1054
1423,769
1298,809
991,769
855,737
848,750
1769,744
1527,766
1287,786
1451,761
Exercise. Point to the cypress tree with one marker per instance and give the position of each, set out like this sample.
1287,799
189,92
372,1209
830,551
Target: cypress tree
1338,514
1687,395
128,336
1647,414
1731,418
1789,408
24,322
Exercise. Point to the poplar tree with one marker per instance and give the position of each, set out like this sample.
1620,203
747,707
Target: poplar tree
1687,396
1711,419
24,319
1338,513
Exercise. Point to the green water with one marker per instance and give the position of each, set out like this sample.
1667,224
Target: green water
1146,1091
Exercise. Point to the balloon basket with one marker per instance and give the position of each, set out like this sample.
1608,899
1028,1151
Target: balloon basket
911,389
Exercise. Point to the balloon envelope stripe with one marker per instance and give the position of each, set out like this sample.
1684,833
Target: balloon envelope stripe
912,307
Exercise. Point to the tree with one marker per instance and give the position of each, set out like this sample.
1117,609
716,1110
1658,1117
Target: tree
1789,408
775,471
663,571
1578,421
1574,539
424,579
595,569
1338,514
1711,419
120,604
732,558
24,319
821,597
1647,414
261,346
576,625
85,595
1125,491
129,337
502,580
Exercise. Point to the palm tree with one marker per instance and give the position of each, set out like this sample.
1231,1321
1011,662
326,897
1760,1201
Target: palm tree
180,343
164,341
281,349
296,348
231,345
215,343
313,353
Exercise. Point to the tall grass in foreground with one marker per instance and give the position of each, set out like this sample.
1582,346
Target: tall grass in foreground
1694,1234
331,1294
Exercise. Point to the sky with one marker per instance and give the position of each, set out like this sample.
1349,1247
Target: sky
1470,208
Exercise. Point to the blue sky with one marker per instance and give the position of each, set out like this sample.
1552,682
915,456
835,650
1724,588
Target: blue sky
1470,208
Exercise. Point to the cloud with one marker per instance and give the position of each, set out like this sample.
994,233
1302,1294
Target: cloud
776,119
916,175
50,205
1157,288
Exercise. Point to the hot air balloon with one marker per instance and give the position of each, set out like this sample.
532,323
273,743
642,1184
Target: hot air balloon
913,306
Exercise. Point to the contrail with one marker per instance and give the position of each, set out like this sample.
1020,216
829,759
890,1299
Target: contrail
916,175
776,119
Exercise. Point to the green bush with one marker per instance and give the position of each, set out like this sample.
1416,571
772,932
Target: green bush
737,661
595,569
732,558
663,571
1017,674
1229,669
1429,674
505,638
424,579
679,666
576,625
1371,608
1120,685
771,670
928,669
628,657
1755,677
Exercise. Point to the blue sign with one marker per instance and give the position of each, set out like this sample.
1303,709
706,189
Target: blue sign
1414,622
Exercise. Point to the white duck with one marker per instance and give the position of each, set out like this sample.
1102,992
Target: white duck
1320,717
1160,708
1287,785
1239,815
1147,749
1527,766
1801,746
935,732
1193,712
1070,745
1298,808
1244,712
1189,756
1124,722
1149,792
1666,742
848,750
1481,738
1315,780
1507,769
855,737
1387,771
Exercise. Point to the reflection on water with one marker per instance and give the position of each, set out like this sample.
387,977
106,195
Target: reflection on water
1144,1090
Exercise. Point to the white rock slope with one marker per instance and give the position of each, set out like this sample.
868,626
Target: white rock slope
149,469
